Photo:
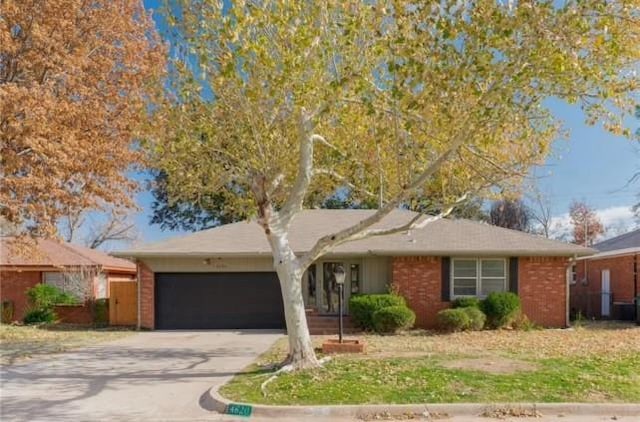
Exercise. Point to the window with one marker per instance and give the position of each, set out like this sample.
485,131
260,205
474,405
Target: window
465,277
311,284
355,278
478,277
77,283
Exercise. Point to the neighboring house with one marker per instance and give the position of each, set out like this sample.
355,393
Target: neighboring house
604,285
224,277
85,273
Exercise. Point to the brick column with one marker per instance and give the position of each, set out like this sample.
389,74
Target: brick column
147,296
418,280
543,290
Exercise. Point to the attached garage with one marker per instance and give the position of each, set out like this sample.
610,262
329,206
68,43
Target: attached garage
218,300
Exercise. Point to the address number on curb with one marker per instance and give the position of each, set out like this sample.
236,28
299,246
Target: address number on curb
239,409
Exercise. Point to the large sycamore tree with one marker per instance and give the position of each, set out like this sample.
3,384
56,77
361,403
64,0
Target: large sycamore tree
273,101
76,78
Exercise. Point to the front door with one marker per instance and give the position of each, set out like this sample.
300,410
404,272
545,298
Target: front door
327,292
606,293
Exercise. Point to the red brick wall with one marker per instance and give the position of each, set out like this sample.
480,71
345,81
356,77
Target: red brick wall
13,287
75,314
147,296
418,279
542,287
621,282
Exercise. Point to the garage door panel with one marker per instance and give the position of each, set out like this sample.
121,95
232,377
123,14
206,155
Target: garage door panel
218,301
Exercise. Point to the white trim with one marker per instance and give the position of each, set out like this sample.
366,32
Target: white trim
478,278
611,254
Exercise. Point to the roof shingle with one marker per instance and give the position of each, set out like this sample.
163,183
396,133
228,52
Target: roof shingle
50,252
443,237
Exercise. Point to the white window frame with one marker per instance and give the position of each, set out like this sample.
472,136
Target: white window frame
478,278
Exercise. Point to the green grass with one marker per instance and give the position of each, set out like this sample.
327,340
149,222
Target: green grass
550,376
31,341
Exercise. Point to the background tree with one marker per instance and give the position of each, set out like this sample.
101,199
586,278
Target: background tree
98,231
540,213
586,224
212,209
75,80
393,101
511,214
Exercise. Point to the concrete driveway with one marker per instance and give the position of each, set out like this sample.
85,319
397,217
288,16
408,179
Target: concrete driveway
151,376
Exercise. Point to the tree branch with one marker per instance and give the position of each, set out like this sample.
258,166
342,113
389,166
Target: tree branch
344,180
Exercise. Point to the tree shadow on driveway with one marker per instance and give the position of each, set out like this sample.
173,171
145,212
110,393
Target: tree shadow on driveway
114,382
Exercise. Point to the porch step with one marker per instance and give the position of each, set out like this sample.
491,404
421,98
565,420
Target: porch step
328,324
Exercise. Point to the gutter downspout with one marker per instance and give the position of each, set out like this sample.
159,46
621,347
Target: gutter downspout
569,273
636,297
139,322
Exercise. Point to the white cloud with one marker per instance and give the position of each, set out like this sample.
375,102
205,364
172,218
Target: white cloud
616,220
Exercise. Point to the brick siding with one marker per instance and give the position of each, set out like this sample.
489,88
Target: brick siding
13,287
418,280
542,288
147,296
585,293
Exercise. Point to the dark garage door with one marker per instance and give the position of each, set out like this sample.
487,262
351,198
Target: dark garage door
218,301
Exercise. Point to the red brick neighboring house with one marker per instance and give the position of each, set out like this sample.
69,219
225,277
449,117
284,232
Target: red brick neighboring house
224,277
604,285
50,261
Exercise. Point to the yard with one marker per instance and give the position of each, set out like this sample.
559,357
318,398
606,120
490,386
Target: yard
20,342
595,363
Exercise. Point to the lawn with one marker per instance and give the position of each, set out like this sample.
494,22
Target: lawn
594,363
21,342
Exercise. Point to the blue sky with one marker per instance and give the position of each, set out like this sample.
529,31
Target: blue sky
592,165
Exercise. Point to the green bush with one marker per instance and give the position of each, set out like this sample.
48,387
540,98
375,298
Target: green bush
101,312
466,302
477,318
393,318
45,296
362,307
501,308
39,315
453,320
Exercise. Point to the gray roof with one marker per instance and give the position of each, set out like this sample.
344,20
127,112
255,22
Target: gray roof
442,237
624,241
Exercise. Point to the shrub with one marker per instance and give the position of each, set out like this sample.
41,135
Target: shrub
453,320
466,302
522,322
101,312
45,296
393,318
39,315
477,318
501,308
362,307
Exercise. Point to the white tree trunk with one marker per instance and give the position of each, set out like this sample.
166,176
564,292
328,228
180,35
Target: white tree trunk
301,354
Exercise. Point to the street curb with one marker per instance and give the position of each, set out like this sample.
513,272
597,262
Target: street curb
213,401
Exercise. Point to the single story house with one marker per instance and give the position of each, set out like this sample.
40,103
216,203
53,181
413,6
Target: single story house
75,269
604,285
224,277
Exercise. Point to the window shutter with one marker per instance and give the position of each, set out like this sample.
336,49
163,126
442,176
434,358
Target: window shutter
446,278
513,274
